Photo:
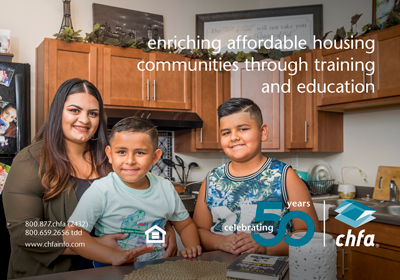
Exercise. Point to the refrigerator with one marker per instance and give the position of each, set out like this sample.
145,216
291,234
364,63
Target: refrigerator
15,133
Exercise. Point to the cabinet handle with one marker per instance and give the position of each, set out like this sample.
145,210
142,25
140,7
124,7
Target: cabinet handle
148,89
343,269
148,116
154,88
306,130
364,77
201,135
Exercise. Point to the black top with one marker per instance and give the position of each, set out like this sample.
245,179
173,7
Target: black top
81,185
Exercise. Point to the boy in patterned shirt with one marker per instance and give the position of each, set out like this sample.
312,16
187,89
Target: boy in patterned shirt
130,200
226,206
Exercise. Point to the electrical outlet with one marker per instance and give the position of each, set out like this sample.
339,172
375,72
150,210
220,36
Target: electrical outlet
295,161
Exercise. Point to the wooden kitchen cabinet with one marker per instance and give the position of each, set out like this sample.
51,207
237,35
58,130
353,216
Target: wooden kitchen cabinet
306,129
58,61
249,84
386,58
114,71
360,262
126,85
123,84
210,89
170,89
338,76
387,62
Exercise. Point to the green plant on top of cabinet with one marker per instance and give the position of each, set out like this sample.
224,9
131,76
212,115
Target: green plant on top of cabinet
249,84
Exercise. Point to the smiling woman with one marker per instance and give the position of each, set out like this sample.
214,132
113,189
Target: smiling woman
48,178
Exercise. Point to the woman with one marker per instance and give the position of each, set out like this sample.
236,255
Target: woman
47,179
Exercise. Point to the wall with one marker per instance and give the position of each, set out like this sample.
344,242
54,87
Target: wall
369,136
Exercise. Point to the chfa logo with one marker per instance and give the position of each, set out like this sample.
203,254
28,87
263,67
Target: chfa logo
153,235
355,214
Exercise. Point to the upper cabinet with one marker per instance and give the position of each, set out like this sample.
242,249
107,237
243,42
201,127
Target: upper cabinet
299,106
124,77
306,129
58,61
387,62
250,84
381,87
341,75
209,90
123,83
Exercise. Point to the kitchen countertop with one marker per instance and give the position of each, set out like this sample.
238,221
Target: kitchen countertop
380,217
118,272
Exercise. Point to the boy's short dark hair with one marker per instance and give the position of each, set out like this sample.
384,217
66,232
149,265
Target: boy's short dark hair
136,124
238,105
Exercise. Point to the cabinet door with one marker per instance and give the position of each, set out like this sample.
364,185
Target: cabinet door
170,88
124,84
249,84
387,62
326,77
299,125
67,61
208,87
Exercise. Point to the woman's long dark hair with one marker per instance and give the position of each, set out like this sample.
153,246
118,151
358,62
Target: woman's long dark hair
55,168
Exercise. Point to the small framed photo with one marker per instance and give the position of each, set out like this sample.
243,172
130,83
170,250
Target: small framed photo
6,75
382,10
5,40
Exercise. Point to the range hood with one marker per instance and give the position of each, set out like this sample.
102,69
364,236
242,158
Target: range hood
163,120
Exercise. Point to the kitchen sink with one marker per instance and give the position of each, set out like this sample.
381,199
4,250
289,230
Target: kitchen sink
388,209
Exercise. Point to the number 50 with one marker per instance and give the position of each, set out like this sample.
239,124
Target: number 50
262,216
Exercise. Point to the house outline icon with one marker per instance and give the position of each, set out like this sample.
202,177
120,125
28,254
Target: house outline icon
151,230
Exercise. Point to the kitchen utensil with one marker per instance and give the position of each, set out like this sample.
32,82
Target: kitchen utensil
171,163
347,191
320,170
320,187
383,177
182,165
190,166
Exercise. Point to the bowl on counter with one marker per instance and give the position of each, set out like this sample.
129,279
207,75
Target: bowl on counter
179,187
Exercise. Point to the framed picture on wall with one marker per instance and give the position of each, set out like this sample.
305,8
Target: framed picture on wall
382,10
118,22
301,22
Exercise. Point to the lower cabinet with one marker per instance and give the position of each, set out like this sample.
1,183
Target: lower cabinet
381,261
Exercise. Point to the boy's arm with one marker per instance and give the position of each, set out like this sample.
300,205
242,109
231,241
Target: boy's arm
80,241
190,237
203,220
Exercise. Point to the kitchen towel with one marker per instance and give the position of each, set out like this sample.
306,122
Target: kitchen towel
319,208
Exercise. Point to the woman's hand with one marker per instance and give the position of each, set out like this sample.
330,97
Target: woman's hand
226,243
244,243
110,240
171,249
131,255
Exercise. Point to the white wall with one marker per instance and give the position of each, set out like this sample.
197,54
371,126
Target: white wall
369,137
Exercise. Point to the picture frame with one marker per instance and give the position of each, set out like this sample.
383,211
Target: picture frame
120,22
243,21
382,8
